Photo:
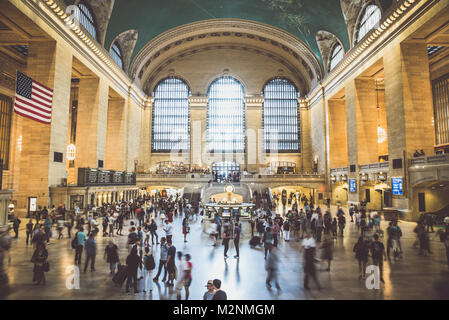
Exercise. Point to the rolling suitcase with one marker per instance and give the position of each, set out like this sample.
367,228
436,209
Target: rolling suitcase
255,241
120,276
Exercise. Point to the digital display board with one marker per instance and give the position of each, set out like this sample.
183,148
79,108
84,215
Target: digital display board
396,184
226,213
352,186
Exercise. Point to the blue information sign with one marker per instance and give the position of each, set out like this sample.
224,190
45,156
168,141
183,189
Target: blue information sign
352,187
396,184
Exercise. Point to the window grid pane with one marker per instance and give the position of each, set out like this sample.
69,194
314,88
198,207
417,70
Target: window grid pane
226,116
87,21
280,118
337,55
5,129
171,116
441,109
116,54
370,19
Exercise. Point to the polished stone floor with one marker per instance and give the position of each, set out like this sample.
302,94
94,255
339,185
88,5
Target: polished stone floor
413,277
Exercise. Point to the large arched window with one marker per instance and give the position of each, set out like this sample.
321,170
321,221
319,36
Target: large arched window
87,20
336,56
171,116
280,116
226,116
370,18
116,54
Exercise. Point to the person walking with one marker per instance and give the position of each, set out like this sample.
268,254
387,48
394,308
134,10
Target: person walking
39,259
271,266
91,251
48,223
309,246
267,240
133,262
226,238
327,250
170,264
162,261
185,228
111,255
15,225
168,228
153,228
150,265
378,254
361,250
69,225
237,239
286,227
29,231
80,238
186,278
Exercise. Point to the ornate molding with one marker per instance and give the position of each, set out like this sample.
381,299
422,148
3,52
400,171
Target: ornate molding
153,77
225,27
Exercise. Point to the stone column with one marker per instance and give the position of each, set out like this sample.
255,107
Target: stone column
254,134
338,144
50,64
91,122
198,124
115,140
306,137
351,127
409,108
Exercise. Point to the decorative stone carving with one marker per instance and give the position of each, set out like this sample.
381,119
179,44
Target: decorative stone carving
326,41
102,10
127,41
351,11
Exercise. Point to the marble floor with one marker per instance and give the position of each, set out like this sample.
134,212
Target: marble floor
413,277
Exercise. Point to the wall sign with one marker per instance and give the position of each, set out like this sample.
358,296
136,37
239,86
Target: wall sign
397,187
352,185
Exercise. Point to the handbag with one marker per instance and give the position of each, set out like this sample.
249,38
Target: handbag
187,229
46,267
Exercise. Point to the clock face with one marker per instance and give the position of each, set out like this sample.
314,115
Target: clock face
229,189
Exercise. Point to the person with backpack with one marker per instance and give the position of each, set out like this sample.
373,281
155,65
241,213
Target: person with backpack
39,259
105,225
378,255
170,264
15,225
361,250
150,265
111,255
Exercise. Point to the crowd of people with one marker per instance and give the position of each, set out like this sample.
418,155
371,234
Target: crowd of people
315,228
146,216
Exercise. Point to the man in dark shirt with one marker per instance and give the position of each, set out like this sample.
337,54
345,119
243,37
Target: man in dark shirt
29,230
378,254
236,239
219,294
170,264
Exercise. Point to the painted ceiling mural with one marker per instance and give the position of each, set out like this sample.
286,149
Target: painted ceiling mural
301,18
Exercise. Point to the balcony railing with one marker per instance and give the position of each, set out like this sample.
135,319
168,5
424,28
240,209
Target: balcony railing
373,166
439,158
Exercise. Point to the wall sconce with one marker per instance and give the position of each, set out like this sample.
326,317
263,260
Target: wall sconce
71,151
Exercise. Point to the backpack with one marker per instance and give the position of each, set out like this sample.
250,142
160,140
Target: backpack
149,263
377,250
75,241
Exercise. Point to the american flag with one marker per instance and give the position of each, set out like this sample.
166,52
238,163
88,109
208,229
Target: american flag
33,100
